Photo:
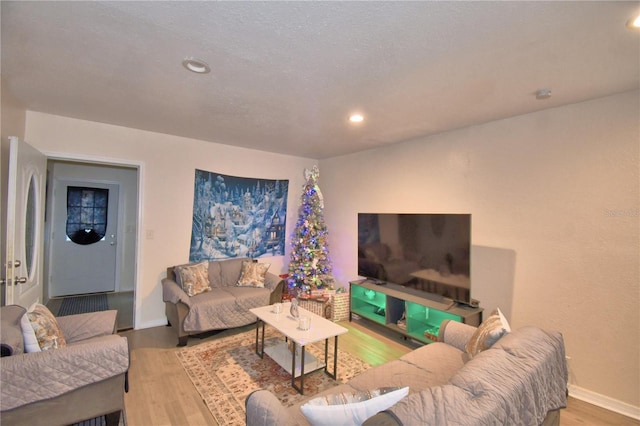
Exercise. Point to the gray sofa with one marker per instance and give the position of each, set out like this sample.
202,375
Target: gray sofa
225,306
84,380
520,380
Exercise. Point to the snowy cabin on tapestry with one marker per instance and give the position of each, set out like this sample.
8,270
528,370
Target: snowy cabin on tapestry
237,217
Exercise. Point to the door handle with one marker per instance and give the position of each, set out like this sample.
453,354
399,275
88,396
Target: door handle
16,263
19,280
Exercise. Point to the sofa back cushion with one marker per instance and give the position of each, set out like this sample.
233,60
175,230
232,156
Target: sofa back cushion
214,274
230,271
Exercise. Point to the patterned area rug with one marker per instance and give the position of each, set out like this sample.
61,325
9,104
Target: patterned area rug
225,371
83,304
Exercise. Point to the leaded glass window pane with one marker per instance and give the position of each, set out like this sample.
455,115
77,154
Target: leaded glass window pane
86,214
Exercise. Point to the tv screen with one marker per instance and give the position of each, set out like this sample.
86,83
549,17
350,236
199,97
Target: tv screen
426,252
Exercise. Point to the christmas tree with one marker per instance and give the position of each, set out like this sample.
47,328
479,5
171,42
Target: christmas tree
310,267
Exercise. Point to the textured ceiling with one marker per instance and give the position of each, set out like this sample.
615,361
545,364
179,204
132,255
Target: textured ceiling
285,75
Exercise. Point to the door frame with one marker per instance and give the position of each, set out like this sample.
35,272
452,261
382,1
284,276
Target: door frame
140,167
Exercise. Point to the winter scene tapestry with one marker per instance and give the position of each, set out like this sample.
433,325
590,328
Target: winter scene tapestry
237,217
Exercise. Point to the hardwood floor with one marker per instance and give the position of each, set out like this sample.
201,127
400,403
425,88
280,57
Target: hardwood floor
160,393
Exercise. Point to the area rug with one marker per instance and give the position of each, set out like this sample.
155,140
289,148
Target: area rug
83,304
226,370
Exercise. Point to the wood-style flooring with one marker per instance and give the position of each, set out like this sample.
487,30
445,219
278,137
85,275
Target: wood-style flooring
161,393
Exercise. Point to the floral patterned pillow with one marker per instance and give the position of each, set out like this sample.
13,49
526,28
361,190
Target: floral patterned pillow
194,279
45,327
253,274
489,332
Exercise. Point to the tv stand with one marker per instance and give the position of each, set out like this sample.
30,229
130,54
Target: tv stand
412,314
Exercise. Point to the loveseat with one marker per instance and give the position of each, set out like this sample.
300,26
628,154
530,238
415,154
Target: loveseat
83,379
520,380
217,295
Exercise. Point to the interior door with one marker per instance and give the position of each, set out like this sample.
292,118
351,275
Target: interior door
25,224
83,241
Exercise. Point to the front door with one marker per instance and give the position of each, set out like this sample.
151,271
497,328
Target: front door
25,224
83,239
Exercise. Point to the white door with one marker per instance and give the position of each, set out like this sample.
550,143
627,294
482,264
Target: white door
25,224
83,241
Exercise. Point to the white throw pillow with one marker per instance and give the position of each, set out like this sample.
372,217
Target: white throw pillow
351,408
29,336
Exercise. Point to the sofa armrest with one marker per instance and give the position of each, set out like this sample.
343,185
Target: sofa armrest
455,333
85,326
38,376
271,281
173,293
263,408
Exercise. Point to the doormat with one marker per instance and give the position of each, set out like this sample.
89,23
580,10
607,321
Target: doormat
226,370
83,304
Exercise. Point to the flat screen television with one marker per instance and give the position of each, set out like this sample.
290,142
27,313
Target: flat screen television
425,252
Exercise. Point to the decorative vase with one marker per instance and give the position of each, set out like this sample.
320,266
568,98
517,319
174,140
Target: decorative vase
294,308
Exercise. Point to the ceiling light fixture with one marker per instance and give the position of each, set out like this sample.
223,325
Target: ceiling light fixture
634,23
543,94
356,118
196,65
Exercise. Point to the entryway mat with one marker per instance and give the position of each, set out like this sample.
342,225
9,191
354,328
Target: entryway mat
83,304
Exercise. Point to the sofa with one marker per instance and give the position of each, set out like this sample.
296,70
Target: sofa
521,379
82,380
224,292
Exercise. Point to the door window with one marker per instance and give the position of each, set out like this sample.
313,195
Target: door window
30,223
86,214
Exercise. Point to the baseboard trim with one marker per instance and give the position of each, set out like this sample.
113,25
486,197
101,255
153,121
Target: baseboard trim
604,402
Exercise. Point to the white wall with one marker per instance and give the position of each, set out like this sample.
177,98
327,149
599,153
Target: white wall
167,169
554,197
12,123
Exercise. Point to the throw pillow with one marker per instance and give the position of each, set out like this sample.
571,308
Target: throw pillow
351,408
489,332
252,274
29,336
40,329
194,279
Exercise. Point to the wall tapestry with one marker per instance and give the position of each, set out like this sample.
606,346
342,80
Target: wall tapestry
237,217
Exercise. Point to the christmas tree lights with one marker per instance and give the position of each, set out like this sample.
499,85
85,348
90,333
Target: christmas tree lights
310,267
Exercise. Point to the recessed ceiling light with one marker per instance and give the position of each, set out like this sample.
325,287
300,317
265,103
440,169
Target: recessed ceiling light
356,118
196,65
634,23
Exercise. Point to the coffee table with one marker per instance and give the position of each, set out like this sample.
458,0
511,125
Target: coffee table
320,329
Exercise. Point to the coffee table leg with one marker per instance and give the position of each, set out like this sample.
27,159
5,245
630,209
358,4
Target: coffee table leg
293,369
260,352
335,358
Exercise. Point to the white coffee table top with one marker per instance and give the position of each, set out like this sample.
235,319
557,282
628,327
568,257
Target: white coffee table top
319,330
